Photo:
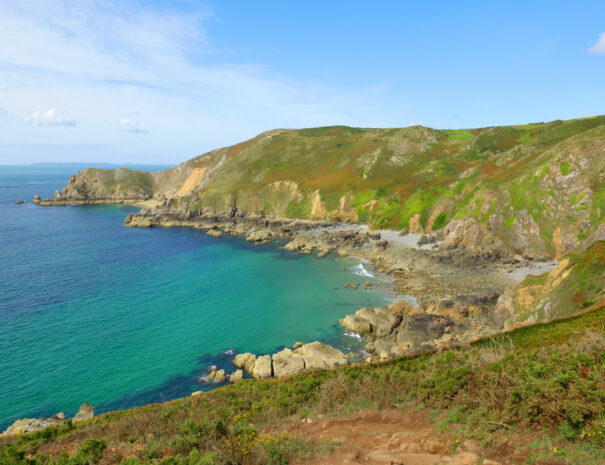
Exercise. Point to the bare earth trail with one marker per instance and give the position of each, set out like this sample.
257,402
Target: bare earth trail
402,437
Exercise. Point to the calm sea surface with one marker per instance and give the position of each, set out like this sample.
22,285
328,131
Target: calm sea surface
93,311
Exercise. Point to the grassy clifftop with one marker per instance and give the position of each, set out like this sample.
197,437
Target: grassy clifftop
536,189
544,382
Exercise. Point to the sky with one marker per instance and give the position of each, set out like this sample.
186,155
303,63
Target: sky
162,81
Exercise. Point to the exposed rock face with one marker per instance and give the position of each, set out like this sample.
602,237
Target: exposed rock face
245,361
30,425
422,327
376,322
37,199
287,363
318,356
399,329
86,412
236,376
263,367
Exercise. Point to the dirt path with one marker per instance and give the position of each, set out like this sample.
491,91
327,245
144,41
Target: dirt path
396,437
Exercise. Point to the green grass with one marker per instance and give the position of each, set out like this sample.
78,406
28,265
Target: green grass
544,379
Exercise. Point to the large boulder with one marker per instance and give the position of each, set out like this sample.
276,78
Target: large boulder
245,361
263,367
86,412
375,322
318,356
356,324
259,236
300,243
236,376
287,363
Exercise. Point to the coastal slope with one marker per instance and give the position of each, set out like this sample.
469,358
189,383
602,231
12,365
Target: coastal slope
536,190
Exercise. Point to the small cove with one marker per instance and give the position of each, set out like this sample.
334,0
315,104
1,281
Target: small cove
93,311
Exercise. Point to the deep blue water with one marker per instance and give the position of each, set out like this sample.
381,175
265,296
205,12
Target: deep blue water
93,311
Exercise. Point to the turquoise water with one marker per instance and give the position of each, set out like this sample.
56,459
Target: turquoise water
93,311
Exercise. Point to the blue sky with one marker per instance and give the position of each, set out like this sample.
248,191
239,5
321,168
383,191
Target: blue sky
160,82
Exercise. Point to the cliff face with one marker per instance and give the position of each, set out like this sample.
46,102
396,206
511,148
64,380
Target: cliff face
536,190
575,286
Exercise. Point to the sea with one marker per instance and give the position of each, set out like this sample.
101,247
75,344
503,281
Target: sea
94,311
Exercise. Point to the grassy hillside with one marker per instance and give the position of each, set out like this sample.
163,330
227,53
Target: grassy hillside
545,381
575,286
536,189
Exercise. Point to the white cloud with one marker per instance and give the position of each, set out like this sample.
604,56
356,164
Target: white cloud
104,59
130,125
599,47
48,118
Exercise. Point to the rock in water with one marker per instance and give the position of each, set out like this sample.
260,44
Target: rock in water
351,286
236,376
245,361
37,198
287,363
214,233
263,367
17,202
86,412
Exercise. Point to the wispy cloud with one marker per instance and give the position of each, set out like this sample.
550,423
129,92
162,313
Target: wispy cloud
48,118
130,125
104,59
599,47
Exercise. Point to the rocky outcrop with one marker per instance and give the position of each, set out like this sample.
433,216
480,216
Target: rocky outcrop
402,329
376,322
263,368
86,412
31,425
245,361
304,357
236,376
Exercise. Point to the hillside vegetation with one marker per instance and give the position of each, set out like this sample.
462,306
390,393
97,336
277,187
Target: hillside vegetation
536,189
544,381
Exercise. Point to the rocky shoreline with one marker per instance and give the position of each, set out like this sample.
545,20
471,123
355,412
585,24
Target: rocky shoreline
456,291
